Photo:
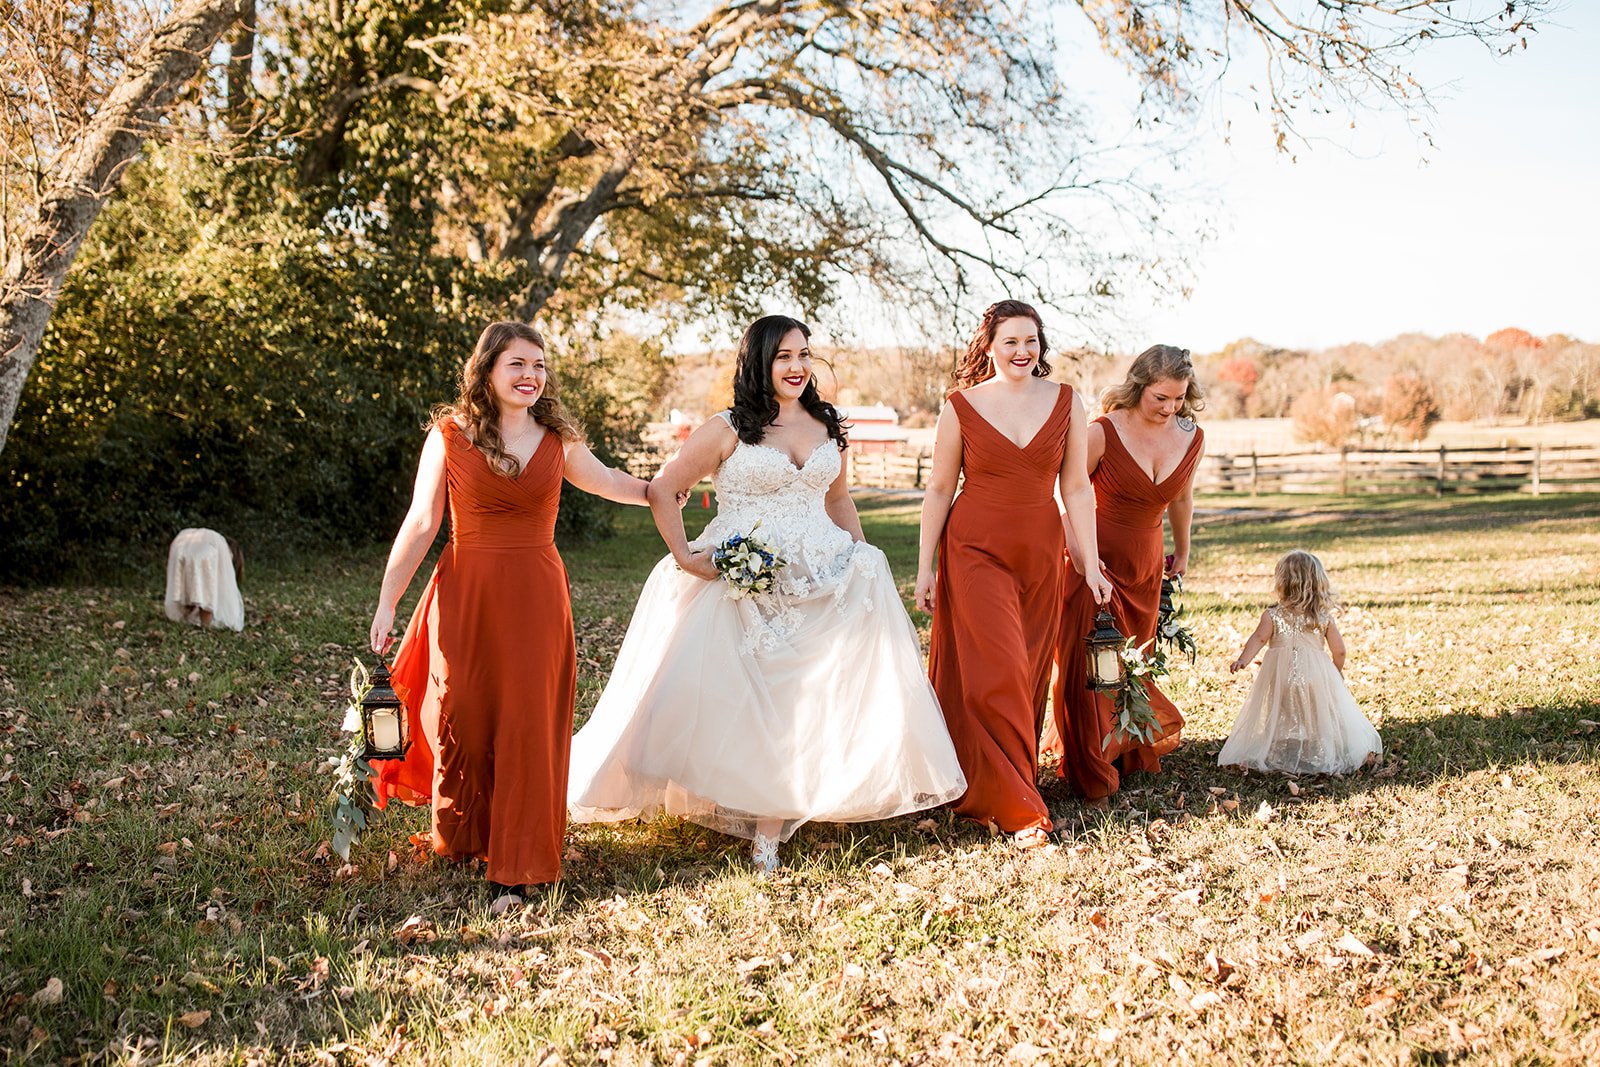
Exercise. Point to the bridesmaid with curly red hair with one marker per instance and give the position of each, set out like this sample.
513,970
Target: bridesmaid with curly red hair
996,595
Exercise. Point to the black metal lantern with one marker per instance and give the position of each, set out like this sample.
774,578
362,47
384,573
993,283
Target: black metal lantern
1104,644
383,719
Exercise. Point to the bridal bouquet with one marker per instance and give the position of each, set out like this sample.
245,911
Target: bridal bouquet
747,563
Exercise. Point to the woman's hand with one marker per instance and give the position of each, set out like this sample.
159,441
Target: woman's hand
1179,565
698,563
1099,586
1237,665
923,596
380,637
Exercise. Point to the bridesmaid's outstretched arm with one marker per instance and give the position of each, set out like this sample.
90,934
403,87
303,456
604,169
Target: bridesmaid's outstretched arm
699,458
942,480
417,531
589,474
1077,496
842,509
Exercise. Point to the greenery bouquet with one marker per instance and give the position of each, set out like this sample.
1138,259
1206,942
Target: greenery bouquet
1171,630
1135,717
352,800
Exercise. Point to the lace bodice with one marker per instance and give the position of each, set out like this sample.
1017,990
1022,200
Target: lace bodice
758,483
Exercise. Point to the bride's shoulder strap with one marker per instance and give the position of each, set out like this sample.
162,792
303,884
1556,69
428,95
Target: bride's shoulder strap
727,417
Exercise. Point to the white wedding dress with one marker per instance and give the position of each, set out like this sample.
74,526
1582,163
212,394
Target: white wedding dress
806,703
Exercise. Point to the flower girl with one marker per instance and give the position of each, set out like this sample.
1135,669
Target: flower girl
1299,717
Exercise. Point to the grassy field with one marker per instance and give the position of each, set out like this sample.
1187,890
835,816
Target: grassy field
168,895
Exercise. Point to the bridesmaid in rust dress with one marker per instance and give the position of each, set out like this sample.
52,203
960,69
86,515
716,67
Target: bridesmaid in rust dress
1143,453
996,599
487,669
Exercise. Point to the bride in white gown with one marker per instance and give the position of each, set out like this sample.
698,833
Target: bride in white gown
755,715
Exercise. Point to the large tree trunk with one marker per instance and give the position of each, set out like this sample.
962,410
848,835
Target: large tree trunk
241,70
32,278
548,252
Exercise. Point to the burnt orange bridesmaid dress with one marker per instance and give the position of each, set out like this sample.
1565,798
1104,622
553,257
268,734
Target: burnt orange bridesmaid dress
997,603
1129,505
488,672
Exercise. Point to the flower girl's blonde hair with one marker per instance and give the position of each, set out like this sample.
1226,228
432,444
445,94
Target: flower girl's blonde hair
1302,586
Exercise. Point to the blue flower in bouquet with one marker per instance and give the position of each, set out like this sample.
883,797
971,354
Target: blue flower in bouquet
747,563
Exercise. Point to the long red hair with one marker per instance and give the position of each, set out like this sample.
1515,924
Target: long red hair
976,365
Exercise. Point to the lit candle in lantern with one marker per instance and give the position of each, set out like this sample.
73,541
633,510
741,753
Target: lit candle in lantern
1106,663
1104,644
385,731
383,718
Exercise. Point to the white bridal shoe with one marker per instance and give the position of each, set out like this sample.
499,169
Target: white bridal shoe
765,854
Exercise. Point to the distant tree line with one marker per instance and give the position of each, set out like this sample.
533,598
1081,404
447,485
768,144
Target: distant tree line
1393,392
1387,393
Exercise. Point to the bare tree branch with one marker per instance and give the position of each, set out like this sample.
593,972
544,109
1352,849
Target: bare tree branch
92,162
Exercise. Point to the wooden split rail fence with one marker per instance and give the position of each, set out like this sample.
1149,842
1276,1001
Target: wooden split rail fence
1508,468
1441,470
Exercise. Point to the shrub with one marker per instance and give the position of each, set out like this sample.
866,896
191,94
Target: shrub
1408,407
273,386
1328,416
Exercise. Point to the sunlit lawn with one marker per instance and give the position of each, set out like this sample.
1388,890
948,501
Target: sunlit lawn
162,794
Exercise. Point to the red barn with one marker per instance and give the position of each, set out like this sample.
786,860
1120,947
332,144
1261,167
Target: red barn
873,429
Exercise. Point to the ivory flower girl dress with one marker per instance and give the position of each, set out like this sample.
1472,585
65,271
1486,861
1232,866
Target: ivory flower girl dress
1299,716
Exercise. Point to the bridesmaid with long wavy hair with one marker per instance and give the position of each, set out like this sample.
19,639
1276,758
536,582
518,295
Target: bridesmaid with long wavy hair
996,594
1142,455
487,669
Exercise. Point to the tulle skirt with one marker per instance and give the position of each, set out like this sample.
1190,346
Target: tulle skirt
1300,717
780,709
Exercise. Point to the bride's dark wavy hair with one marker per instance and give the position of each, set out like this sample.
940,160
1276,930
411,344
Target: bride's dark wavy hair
755,405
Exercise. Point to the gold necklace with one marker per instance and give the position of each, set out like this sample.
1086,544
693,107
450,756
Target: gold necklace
512,443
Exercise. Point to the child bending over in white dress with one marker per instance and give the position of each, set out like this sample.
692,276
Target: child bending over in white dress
1300,717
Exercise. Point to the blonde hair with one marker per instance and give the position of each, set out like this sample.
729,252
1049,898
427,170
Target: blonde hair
1302,586
1154,364
475,405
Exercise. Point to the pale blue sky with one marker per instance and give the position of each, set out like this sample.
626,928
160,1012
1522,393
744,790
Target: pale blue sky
1498,224
1365,233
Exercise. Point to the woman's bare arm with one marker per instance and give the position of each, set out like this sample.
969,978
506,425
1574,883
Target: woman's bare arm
1180,515
698,459
586,472
840,507
941,490
411,544
1077,497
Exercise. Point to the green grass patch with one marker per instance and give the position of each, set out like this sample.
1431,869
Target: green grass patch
162,795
